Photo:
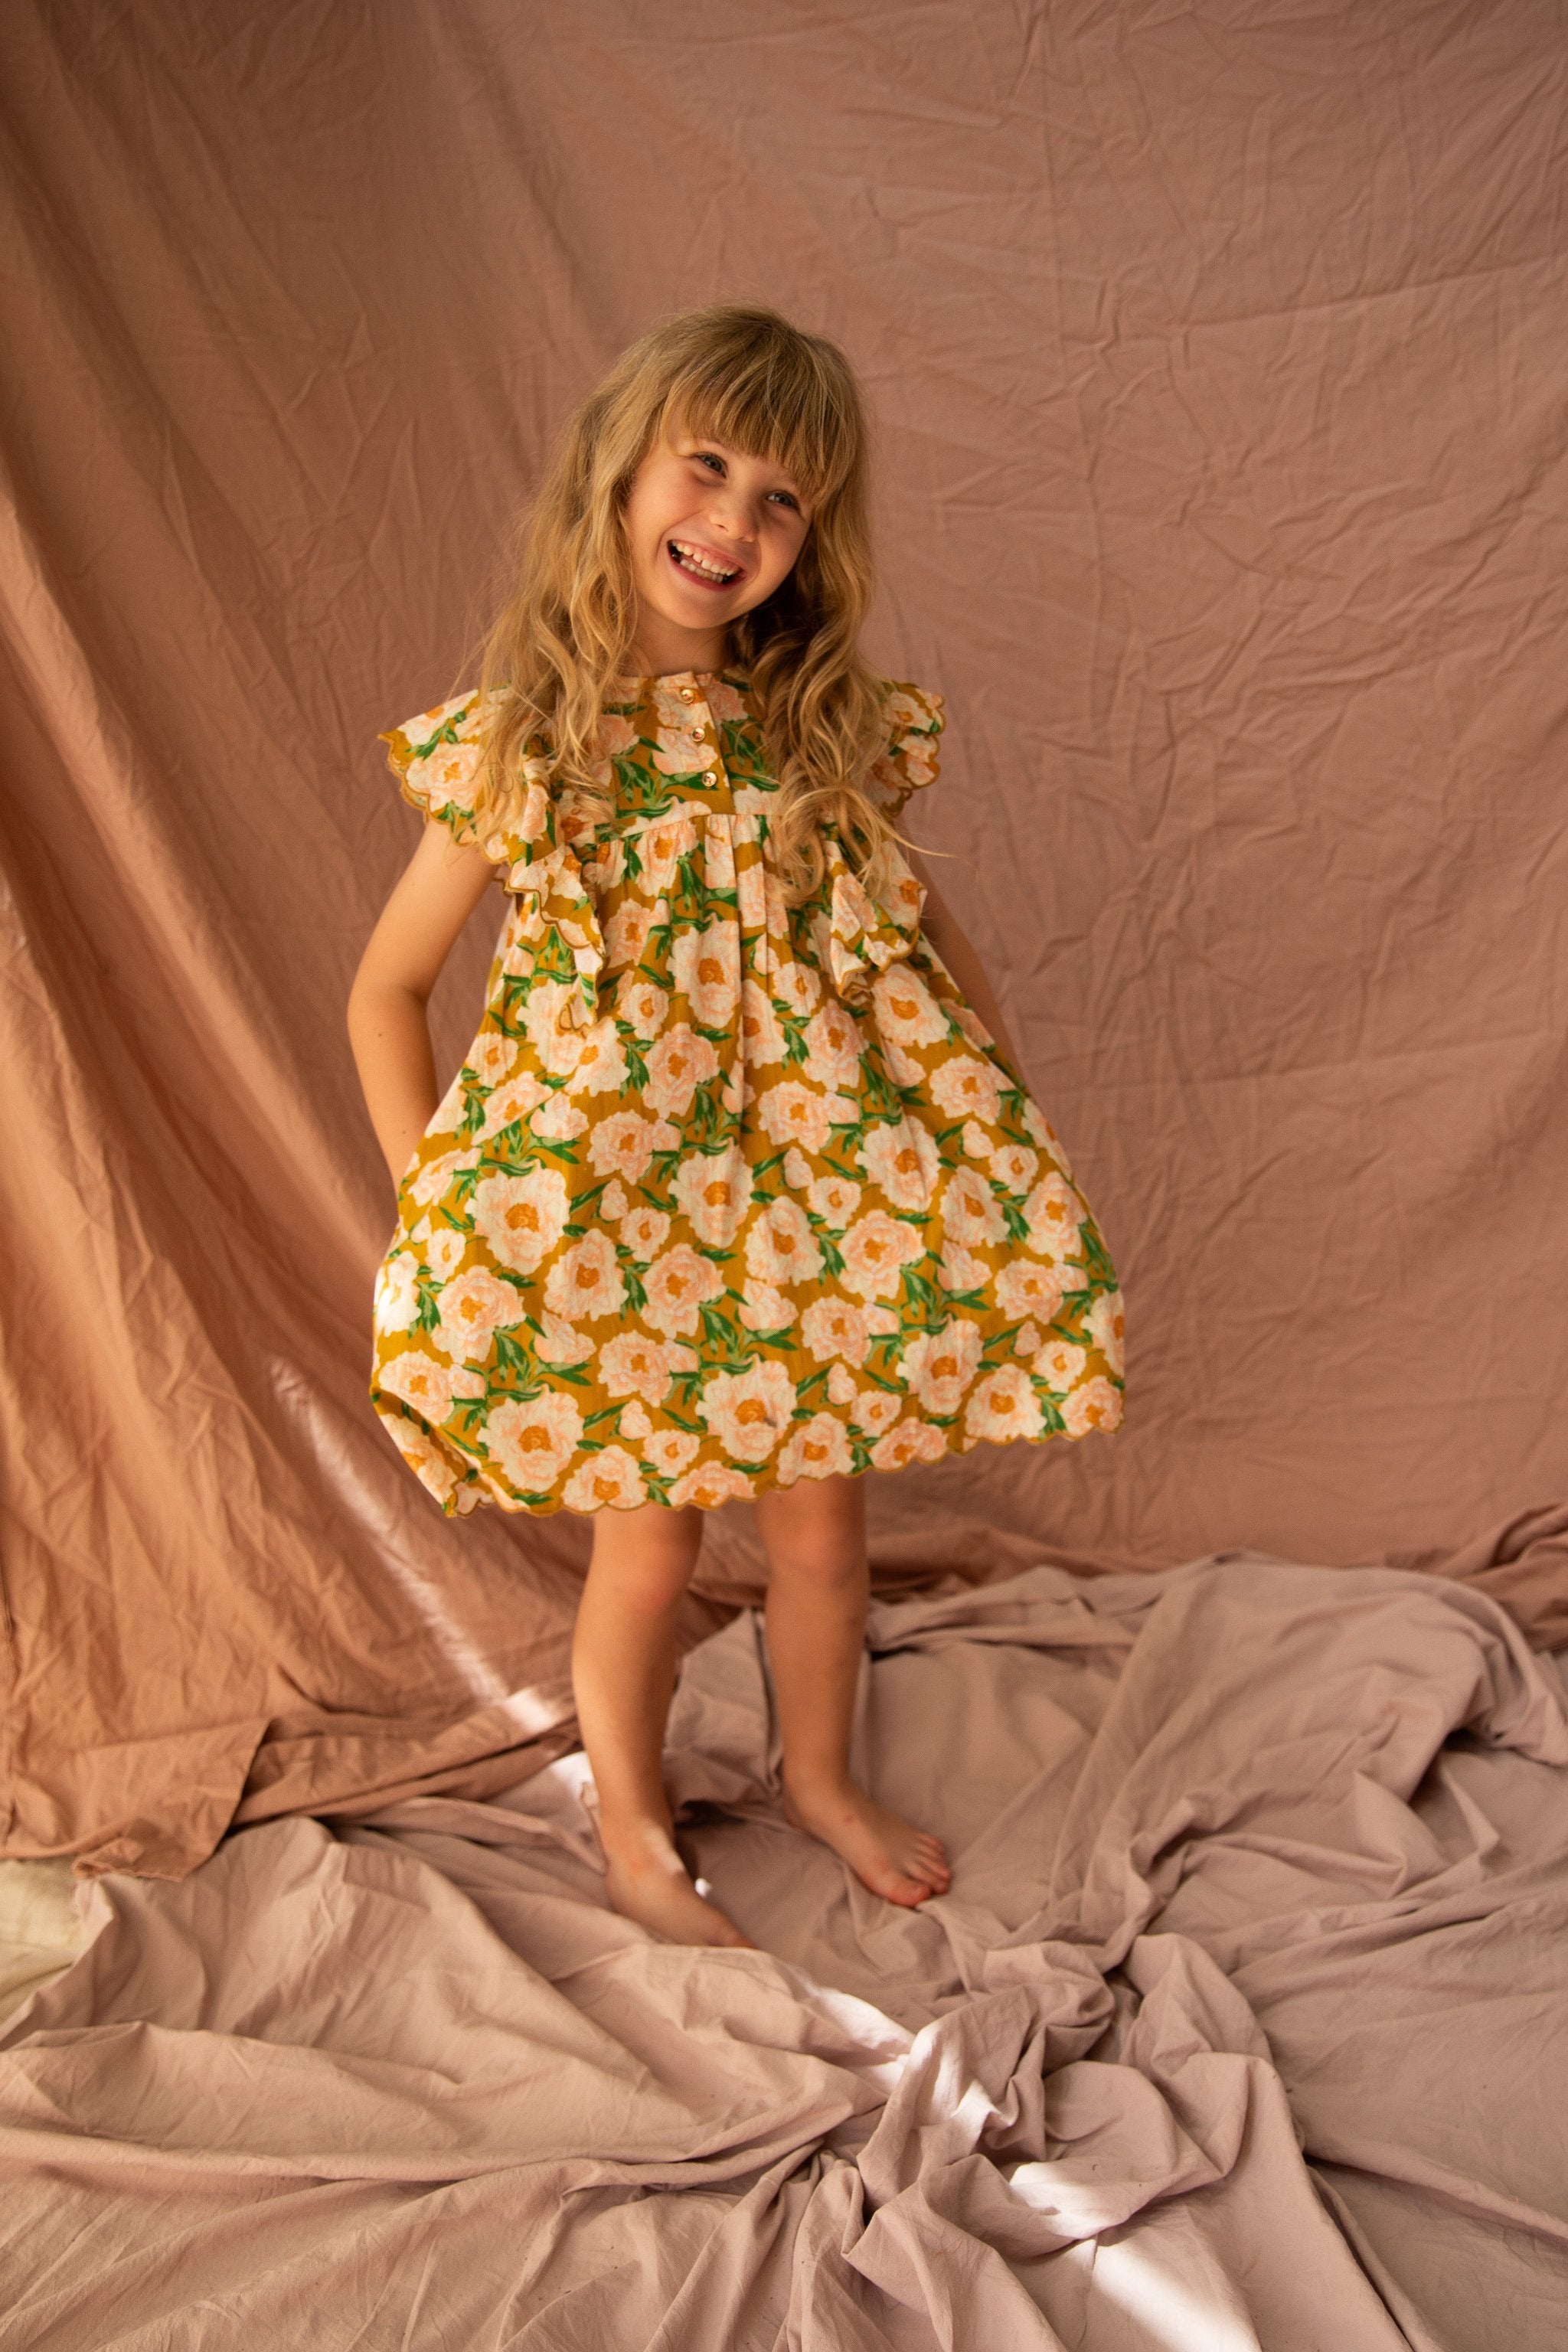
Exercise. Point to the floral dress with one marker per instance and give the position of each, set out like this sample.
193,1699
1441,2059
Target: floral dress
728,1192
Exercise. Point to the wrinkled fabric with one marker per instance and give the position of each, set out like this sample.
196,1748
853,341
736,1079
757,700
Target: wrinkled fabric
1234,2031
1215,362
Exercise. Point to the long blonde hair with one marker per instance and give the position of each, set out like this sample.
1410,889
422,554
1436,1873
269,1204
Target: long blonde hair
745,375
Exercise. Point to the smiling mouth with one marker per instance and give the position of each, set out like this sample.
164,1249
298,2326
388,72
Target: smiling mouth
699,567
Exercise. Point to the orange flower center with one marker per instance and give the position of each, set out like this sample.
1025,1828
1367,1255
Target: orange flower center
711,972
522,1217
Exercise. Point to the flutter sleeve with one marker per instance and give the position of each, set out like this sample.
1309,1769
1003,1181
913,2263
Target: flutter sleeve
858,935
915,720
438,758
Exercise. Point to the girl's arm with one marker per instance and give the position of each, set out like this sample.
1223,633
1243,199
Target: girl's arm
440,888
937,923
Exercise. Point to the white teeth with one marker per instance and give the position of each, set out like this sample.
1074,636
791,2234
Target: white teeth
695,562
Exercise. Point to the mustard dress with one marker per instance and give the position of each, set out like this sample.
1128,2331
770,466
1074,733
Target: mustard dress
727,1194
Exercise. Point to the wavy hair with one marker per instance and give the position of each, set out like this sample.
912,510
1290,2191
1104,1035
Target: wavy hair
766,388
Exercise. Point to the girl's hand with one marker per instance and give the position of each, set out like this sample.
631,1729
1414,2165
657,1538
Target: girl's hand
440,888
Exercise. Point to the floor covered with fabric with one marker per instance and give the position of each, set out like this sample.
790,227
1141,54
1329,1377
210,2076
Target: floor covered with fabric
1246,2023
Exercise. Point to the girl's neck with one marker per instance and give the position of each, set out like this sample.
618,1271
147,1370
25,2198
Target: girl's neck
661,649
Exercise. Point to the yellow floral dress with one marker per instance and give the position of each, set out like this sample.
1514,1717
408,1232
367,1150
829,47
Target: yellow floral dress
728,1193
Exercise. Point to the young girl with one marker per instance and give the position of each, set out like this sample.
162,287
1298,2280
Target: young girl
738,1192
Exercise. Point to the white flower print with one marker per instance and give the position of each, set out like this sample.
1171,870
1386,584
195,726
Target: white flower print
1053,1215
678,1066
584,1282
834,1329
833,1048
1095,1405
521,1217
875,1411
939,1366
445,1251
1060,1365
792,1113
1107,1330
668,1451
1004,1405
420,1381
396,1305
796,986
491,1056
912,1441
634,1422
600,1064
436,1176
749,1411
761,1034
679,1284
1023,1287
515,1099
643,1005
977,1144
709,1485
626,938
631,1365
1014,1166
780,1247
877,1248
752,897
558,1118
901,1161
818,1449
959,1271
967,1088
901,1067
840,1385
545,1015
560,1342
625,1142
683,751
612,1202
713,1191
834,1199
907,1013
473,1308
607,1480
707,967
661,847
644,1231
531,1444
969,1211
763,1308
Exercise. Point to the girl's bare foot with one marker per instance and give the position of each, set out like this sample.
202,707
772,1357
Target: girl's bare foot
893,1858
647,1881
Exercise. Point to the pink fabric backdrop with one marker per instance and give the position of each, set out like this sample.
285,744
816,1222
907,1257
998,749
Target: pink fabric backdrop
1218,361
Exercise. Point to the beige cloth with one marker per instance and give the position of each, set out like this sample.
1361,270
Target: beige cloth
1217,359
1236,2031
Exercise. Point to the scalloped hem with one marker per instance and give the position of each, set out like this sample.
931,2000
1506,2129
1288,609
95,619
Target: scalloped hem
472,1493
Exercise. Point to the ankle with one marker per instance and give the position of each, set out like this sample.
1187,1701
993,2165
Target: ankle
629,1833
816,1783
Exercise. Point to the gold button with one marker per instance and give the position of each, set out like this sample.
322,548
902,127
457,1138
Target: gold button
689,694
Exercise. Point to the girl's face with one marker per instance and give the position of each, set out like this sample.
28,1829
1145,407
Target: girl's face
712,533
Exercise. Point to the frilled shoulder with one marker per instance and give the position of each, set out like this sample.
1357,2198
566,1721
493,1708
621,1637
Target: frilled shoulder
915,720
437,756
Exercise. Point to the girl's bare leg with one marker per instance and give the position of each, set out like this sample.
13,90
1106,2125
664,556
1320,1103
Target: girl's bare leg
815,1535
622,1670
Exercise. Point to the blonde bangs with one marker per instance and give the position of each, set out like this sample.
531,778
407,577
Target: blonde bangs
749,378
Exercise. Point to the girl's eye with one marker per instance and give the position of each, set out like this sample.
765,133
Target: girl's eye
706,458
787,498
